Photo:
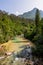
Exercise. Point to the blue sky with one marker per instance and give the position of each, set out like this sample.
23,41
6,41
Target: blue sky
20,6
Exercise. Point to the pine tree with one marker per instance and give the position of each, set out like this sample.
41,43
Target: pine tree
37,19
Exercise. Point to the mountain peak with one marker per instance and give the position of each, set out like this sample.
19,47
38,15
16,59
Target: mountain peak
31,14
35,8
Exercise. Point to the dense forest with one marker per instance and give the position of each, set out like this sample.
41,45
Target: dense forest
11,25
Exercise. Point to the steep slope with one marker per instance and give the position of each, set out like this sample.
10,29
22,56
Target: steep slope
31,14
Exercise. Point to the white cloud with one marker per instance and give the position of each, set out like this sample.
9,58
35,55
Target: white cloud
17,13
39,4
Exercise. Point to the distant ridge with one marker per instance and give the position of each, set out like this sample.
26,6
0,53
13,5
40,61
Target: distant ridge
31,14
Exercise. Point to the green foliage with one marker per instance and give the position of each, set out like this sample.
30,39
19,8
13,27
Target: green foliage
38,38
30,32
11,25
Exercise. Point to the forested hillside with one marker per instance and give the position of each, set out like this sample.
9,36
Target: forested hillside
11,25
